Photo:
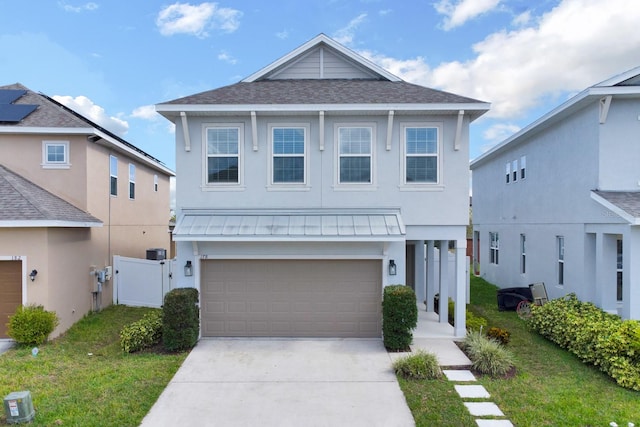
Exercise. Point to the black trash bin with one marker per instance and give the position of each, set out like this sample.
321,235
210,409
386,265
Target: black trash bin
509,298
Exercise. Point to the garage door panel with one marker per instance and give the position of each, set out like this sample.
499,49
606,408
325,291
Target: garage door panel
305,298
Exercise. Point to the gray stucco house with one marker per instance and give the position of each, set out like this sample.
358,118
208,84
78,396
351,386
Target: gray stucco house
559,201
307,187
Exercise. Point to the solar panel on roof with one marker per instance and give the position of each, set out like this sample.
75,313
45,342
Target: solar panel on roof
15,112
7,96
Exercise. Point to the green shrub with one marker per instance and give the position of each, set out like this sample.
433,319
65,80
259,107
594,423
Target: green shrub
501,335
142,334
421,365
31,324
180,319
487,355
594,336
399,317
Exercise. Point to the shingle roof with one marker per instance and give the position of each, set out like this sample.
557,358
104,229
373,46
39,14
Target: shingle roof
21,200
323,91
628,201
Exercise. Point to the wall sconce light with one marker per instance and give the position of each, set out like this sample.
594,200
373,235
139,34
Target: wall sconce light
392,267
188,269
33,274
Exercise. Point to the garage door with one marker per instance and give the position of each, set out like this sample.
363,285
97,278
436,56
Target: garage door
291,298
10,292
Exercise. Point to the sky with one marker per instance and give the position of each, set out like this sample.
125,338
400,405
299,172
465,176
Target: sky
112,61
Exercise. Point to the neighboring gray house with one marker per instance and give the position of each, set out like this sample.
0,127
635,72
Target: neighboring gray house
311,184
559,202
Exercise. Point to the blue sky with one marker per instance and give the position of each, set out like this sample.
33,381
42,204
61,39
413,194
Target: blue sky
113,60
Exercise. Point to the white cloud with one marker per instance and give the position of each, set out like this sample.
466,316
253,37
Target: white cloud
184,18
345,35
77,9
146,112
282,35
522,19
95,113
456,14
497,133
224,56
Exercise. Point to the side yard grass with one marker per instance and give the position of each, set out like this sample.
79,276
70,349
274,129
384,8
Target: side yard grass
551,388
84,378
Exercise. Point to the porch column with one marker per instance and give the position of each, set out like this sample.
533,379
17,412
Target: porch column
420,272
631,274
444,282
431,275
606,250
461,289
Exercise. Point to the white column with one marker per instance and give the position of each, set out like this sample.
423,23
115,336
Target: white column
461,289
431,275
420,278
444,281
606,262
631,274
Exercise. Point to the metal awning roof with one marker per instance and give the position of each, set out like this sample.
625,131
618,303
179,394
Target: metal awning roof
304,225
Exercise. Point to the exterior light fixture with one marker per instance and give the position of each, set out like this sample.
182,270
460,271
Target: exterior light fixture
188,269
392,267
33,274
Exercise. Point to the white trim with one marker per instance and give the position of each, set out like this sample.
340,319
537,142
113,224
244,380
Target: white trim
217,186
288,186
48,223
185,131
291,257
456,141
321,130
390,129
254,130
46,164
355,186
47,130
403,156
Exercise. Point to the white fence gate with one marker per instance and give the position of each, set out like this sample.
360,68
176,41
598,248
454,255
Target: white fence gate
141,282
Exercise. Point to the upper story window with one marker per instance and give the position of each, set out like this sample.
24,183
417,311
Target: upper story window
288,148
523,167
355,154
113,172
132,181
223,153
515,170
55,154
508,172
155,183
421,148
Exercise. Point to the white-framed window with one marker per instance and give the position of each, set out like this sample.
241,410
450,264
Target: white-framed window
508,172
55,155
421,153
523,167
223,155
619,270
523,254
515,170
355,150
155,183
494,248
288,154
113,175
560,249
132,181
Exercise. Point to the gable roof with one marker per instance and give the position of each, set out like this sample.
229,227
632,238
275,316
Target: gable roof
25,204
626,204
52,117
625,85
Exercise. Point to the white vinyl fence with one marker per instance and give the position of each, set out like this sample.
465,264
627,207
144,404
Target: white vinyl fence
141,282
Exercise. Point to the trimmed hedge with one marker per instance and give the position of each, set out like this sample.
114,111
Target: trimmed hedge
399,317
180,319
142,334
596,337
31,324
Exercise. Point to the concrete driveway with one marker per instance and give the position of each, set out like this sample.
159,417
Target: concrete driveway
283,382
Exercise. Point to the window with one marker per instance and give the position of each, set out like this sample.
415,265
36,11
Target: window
132,181
113,171
523,167
288,151
560,244
508,171
619,271
494,248
523,254
55,154
355,155
421,147
223,155
515,170
155,183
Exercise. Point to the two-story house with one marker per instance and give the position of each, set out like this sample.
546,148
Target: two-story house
72,195
310,185
559,201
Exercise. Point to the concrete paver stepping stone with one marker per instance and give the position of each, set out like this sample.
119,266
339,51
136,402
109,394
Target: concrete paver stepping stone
494,423
472,391
479,409
459,375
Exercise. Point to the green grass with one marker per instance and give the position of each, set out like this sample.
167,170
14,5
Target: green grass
83,378
551,388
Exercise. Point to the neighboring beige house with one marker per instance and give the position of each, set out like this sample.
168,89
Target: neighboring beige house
72,195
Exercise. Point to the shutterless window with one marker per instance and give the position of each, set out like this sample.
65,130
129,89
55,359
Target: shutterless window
523,167
619,271
494,248
515,170
523,254
55,154
508,172
560,245
421,155
113,172
223,156
288,155
132,181
155,183
355,154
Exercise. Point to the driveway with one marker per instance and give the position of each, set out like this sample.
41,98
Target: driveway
283,382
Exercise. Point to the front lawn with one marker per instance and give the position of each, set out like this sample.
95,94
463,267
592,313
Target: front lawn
552,387
83,377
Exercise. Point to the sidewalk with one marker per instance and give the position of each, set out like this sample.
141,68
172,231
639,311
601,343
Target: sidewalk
5,344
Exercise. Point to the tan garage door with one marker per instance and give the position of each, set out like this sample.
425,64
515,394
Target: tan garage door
10,292
291,298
